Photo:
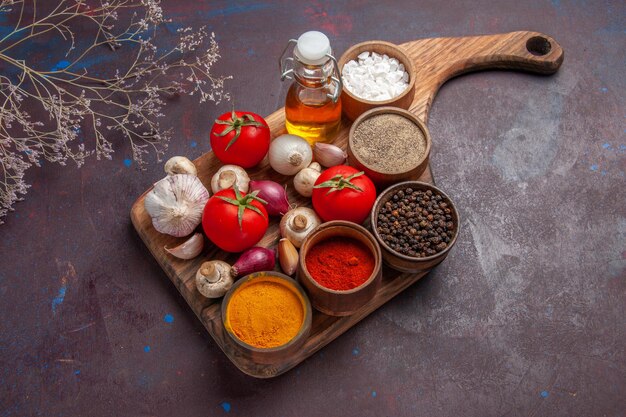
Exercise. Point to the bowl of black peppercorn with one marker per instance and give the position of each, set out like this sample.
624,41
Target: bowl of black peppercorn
416,225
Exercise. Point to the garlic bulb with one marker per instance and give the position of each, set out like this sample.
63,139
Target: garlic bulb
214,279
175,204
329,155
189,249
180,165
230,175
298,223
305,179
289,154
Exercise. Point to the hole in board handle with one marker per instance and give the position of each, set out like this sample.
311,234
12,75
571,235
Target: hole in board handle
538,45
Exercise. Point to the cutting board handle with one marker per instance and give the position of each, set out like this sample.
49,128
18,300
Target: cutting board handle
437,60
526,51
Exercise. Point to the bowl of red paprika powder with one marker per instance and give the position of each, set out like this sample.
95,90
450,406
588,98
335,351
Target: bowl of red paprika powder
340,267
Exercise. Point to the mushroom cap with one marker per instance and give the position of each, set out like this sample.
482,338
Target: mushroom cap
180,165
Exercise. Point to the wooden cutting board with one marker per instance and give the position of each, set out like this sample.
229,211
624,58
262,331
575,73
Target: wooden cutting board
436,60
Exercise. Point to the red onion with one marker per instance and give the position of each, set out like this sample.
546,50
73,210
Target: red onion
255,259
274,194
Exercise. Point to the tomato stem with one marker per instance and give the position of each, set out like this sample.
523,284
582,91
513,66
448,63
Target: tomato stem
244,202
236,123
338,183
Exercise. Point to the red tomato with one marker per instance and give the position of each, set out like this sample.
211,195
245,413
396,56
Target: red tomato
240,138
234,221
343,193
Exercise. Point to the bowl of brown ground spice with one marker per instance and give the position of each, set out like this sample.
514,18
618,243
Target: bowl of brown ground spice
390,144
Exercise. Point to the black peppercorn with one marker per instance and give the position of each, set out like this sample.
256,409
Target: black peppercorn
416,223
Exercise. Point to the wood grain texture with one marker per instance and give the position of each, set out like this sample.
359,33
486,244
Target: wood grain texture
436,60
439,59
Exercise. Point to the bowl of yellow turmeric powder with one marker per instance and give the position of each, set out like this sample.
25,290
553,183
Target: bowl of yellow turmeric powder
267,315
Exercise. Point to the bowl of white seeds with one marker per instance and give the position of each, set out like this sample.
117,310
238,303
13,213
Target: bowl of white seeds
375,74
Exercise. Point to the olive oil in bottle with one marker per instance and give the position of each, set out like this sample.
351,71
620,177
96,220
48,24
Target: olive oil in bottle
313,104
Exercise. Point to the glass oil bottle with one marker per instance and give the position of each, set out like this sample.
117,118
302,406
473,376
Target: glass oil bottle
313,104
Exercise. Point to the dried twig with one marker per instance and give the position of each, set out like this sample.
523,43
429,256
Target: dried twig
129,101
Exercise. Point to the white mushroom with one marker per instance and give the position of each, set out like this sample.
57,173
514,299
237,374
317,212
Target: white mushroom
298,223
180,165
214,279
175,204
230,175
304,181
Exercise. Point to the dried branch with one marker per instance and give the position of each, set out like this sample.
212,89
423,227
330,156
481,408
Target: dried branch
129,101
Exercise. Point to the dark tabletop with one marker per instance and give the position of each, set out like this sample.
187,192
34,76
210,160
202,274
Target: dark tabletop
525,317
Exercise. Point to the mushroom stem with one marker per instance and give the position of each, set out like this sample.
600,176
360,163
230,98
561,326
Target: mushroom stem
208,270
226,179
299,222
214,279
230,176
